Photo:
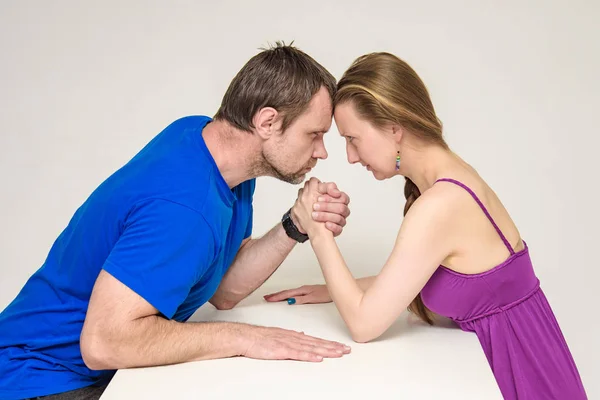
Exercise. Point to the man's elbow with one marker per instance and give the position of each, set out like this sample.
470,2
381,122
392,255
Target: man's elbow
223,304
226,300
96,351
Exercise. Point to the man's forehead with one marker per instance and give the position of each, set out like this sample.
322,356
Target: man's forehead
317,119
324,117
323,124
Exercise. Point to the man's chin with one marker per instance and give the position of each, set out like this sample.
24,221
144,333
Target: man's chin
296,179
293,179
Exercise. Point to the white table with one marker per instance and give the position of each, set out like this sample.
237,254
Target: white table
411,361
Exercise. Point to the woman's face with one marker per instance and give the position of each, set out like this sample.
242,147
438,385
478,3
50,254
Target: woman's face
374,148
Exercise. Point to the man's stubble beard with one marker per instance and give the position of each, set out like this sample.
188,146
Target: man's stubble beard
267,166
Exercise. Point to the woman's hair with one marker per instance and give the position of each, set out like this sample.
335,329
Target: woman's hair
386,90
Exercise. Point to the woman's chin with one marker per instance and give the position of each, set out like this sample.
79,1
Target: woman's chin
380,176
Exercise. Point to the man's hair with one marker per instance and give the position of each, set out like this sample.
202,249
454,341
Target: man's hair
282,77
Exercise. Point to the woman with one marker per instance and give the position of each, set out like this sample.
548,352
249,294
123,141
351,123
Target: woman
458,253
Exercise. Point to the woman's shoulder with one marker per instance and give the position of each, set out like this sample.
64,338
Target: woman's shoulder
443,206
434,208
432,219
441,198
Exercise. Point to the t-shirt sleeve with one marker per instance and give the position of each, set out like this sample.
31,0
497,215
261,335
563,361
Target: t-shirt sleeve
163,250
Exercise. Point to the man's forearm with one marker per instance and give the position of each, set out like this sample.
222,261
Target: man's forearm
256,261
153,340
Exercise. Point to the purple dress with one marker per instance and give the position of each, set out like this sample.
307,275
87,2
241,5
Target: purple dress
516,327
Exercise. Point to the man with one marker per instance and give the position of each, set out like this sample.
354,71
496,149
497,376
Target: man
171,230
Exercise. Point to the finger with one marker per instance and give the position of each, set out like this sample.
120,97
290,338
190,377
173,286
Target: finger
308,192
325,198
308,298
313,339
326,187
335,208
343,198
324,343
336,219
329,188
336,347
302,299
315,185
300,355
336,229
285,294
333,191
322,188
330,352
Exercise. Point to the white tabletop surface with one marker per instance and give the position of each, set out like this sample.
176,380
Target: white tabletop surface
410,361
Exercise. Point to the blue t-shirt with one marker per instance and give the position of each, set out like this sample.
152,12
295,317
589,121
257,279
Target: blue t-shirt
166,225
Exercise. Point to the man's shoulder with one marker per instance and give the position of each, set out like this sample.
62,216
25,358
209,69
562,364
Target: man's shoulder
191,121
173,166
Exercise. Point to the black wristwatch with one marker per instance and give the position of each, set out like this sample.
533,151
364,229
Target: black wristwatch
291,229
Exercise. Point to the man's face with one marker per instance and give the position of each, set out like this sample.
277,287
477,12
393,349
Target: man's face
290,155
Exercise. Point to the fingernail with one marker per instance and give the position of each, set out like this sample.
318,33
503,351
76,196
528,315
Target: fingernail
291,301
314,215
316,206
321,199
339,351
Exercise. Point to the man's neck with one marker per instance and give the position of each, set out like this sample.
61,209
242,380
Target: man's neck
235,152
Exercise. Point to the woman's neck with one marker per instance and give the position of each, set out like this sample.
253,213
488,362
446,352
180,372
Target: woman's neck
425,164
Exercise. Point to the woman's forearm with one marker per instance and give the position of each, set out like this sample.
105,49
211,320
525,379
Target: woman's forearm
345,291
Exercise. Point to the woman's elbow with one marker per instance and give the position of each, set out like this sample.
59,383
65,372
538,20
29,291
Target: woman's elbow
362,335
361,339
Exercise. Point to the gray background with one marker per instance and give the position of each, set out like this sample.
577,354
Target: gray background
84,85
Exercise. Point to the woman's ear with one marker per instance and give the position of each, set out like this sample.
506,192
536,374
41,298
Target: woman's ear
398,132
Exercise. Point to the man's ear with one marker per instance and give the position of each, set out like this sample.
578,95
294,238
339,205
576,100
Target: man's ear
266,122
